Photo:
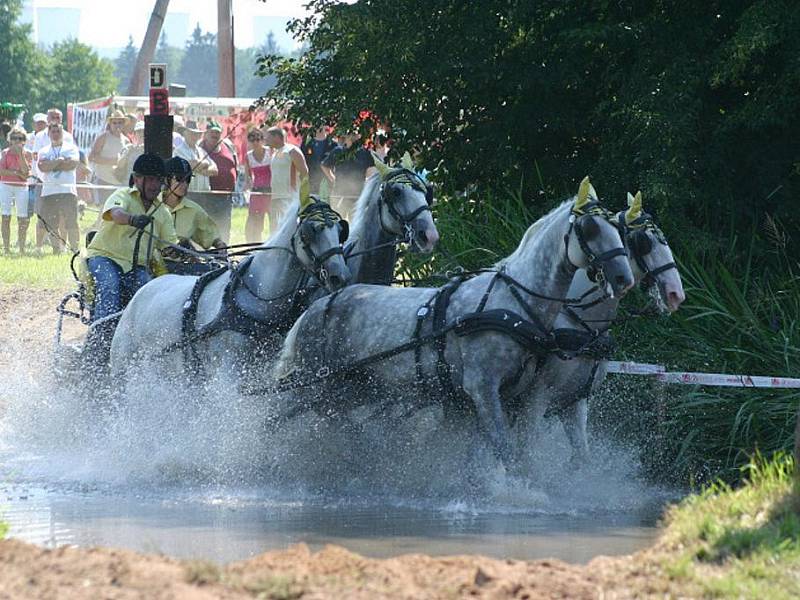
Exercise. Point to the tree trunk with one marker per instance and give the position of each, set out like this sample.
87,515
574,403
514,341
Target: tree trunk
225,52
147,51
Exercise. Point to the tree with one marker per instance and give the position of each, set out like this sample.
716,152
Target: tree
248,84
21,63
77,73
124,64
171,56
694,103
198,70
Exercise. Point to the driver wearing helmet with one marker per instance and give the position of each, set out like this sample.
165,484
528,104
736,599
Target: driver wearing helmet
136,226
192,223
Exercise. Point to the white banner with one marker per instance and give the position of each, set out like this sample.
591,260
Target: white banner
715,379
87,125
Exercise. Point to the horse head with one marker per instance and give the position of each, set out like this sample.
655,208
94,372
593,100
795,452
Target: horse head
317,243
594,242
651,257
405,205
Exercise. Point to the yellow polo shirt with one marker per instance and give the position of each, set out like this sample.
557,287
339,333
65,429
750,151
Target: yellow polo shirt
117,242
193,223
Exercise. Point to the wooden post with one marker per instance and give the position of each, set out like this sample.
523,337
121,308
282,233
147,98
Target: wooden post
225,49
148,49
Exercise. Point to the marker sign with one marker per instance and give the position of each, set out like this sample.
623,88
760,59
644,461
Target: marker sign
158,75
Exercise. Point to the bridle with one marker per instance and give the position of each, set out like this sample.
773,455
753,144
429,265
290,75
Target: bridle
321,212
388,196
641,245
595,271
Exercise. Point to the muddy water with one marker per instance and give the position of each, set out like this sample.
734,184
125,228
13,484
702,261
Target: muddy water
203,478
238,524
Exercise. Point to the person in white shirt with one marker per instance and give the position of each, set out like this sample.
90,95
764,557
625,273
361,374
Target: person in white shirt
289,168
58,162
42,138
202,166
39,125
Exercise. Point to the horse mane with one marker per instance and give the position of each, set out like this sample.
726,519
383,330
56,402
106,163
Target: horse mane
540,224
365,201
283,236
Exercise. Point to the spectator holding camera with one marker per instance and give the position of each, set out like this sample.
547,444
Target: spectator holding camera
14,173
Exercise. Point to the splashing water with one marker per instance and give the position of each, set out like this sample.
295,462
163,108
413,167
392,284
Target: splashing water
177,445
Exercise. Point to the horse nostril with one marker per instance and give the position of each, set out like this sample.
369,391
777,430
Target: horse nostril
335,281
423,237
622,282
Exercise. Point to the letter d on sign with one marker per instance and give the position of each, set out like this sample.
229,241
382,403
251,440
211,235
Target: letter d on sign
158,75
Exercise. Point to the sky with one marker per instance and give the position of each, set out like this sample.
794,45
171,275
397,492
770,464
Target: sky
106,24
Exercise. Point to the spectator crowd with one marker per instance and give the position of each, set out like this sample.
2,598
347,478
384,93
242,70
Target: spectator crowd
44,174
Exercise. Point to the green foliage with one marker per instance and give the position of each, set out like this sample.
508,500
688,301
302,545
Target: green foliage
732,322
21,63
248,84
694,103
172,56
76,73
198,69
124,65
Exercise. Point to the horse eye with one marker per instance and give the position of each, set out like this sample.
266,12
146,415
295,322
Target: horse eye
590,227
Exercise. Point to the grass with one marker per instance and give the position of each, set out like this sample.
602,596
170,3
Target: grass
738,543
52,271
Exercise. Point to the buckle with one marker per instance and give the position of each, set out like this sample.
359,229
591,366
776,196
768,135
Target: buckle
323,372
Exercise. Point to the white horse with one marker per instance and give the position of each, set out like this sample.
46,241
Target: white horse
393,207
216,318
562,386
362,321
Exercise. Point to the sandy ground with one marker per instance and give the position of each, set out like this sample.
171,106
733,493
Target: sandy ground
26,571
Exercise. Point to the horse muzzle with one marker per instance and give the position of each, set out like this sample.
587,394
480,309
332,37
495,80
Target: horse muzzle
617,275
426,236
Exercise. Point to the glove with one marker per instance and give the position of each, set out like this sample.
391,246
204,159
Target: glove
140,221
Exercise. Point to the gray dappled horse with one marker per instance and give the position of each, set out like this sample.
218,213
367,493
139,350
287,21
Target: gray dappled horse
489,366
224,317
393,207
563,387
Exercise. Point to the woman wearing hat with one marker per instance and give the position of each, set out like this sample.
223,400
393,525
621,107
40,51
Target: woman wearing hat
105,154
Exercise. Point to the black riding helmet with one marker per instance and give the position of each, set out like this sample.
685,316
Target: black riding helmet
179,168
149,165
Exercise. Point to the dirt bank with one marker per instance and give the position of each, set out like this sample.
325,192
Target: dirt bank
27,571
32,572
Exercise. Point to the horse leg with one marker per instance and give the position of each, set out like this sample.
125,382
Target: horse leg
574,418
491,420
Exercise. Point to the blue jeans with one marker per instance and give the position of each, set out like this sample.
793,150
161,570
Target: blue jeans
113,288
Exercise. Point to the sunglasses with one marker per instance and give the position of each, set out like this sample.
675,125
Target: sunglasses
17,138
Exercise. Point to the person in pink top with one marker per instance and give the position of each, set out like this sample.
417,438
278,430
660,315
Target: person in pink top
14,172
259,179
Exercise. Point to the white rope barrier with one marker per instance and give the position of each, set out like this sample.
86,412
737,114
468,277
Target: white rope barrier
689,378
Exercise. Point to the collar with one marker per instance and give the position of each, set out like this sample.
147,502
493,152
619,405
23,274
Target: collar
156,202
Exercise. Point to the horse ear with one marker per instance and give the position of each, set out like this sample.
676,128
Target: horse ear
634,208
583,194
381,166
305,194
406,162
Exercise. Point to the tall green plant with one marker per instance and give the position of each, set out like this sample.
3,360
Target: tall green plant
737,319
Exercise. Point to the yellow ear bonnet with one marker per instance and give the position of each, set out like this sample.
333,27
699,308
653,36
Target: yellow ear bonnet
583,194
381,166
634,208
406,162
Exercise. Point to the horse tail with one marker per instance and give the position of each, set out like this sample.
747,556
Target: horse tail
286,362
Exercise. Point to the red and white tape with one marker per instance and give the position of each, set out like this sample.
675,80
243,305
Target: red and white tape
716,379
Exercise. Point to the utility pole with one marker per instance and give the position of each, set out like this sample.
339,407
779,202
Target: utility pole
148,49
226,65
